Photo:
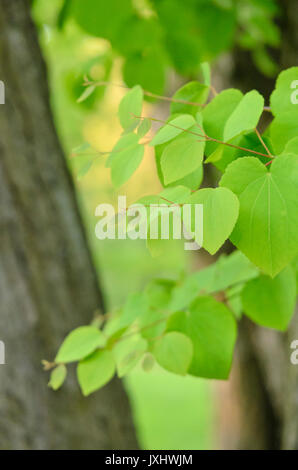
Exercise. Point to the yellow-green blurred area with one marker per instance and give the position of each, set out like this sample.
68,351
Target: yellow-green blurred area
170,412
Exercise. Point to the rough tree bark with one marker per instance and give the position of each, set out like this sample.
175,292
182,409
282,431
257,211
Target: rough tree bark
264,383
47,282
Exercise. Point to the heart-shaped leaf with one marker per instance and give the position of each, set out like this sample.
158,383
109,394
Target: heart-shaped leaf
271,302
245,116
79,343
174,352
95,371
220,212
212,329
130,107
266,230
172,129
181,157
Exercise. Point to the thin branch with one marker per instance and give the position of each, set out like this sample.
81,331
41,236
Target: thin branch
144,328
168,124
171,202
237,147
263,143
147,93
95,154
154,95
204,136
207,137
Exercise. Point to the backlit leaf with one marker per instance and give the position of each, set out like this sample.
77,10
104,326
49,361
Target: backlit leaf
174,352
212,329
245,116
271,302
266,230
95,371
79,343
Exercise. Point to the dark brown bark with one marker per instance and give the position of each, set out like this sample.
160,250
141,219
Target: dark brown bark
48,285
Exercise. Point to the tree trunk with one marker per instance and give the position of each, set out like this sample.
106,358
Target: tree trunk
48,285
264,383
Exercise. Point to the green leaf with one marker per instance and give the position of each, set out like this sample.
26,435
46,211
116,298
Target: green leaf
281,99
112,329
58,377
101,19
181,157
174,352
124,162
171,196
220,212
86,93
266,230
193,92
172,129
148,70
144,127
148,362
271,302
223,155
292,146
134,306
216,25
191,181
158,293
187,291
123,168
84,169
216,114
63,14
128,353
95,371
212,329
137,34
130,107
126,144
176,194
230,270
245,116
283,129
152,323
80,343
224,273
